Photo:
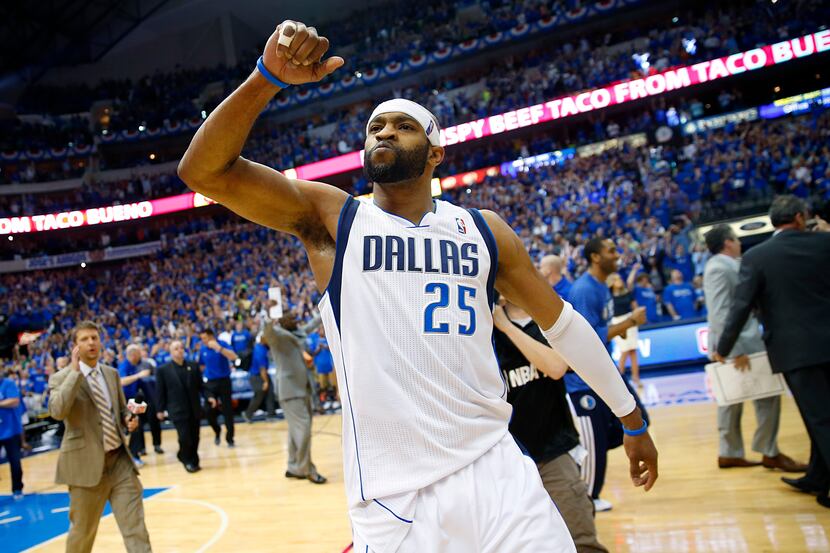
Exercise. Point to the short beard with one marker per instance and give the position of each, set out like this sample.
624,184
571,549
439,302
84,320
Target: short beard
408,165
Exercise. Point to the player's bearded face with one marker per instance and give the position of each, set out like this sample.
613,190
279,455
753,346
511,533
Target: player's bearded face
402,165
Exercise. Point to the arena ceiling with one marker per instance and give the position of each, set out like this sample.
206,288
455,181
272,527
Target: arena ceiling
36,36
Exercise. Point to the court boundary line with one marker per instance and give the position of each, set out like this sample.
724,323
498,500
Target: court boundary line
223,526
55,538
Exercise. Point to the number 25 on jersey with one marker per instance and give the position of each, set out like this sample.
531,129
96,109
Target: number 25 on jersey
446,295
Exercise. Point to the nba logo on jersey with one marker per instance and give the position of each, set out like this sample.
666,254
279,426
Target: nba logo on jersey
462,228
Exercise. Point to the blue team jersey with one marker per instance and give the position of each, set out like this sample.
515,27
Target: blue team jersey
259,358
563,288
216,364
593,300
682,297
645,297
38,382
10,420
125,368
239,341
322,359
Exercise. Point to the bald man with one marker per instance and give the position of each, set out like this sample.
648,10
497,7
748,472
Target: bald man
132,370
553,269
179,388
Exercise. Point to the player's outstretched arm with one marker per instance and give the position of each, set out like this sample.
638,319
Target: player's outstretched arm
574,340
212,164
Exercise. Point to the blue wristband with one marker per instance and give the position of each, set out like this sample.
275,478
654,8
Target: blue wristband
639,431
268,75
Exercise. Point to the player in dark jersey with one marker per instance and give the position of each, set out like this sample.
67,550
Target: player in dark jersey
542,422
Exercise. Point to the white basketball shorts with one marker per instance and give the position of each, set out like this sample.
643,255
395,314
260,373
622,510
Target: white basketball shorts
495,505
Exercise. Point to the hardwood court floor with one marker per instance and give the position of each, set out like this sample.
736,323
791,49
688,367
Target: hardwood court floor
241,502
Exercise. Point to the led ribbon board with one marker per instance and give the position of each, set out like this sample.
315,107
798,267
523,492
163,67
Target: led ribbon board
560,108
599,98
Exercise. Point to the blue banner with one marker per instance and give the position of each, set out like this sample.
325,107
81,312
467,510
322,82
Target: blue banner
675,344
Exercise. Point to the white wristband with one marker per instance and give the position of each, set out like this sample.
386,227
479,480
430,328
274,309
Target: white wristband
578,344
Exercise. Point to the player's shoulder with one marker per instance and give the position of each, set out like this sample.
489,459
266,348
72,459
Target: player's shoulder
326,199
584,285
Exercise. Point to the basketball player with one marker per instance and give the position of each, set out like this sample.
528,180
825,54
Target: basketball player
408,286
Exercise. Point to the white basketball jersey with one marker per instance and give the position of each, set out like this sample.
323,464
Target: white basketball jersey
408,319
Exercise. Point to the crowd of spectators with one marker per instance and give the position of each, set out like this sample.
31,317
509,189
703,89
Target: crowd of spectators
716,170
142,186
531,78
398,30
46,132
213,272
723,168
522,80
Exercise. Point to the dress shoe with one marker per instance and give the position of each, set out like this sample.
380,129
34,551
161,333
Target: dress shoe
158,449
216,440
802,485
732,462
192,468
292,475
317,478
784,463
231,444
824,501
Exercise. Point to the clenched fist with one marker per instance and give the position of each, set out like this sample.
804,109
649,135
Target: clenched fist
294,54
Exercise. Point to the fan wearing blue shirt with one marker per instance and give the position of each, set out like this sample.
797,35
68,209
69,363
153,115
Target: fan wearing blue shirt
682,261
11,430
645,297
324,366
132,371
679,297
260,382
216,356
600,430
552,267
240,338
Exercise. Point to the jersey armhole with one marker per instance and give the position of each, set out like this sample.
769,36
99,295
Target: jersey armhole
492,248
344,227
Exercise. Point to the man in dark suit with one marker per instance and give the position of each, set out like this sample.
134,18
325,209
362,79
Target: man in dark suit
179,384
788,279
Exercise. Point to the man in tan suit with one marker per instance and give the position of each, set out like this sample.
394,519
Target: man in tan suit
94,461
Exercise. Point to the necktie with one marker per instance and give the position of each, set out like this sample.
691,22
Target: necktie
111,438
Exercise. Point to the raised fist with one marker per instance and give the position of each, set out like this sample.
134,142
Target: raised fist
294,54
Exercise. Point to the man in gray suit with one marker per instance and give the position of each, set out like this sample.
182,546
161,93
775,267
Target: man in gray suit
94,461
720,279
286,342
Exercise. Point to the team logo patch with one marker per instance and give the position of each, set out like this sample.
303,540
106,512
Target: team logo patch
462,228
430,127
587,402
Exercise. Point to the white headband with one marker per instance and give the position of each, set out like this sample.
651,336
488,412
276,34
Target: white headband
416,111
